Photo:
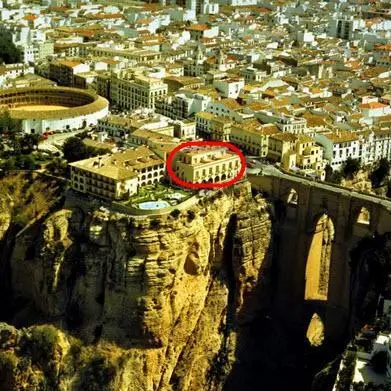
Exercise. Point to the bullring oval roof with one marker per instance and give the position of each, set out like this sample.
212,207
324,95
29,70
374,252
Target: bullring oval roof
98,103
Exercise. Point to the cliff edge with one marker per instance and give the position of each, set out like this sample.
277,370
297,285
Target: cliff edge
165,296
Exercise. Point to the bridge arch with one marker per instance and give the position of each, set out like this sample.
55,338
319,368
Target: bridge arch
317,271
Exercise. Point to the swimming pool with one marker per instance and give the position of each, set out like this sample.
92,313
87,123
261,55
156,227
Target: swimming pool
153,205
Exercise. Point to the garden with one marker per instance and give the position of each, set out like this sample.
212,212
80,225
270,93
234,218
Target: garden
157,196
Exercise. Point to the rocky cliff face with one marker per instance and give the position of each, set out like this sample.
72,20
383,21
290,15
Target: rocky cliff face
171,294
5,216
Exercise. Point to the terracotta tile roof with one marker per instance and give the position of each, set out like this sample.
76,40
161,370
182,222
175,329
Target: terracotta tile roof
69,63
287,137
198,27
382,48
372,105
341,137
30,17
231,104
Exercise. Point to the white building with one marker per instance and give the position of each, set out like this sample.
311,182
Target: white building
338,146
286,123
345,27
12,71
183,104
374,109
36,51
229,87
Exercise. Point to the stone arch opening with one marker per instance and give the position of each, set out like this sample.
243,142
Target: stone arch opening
293,198
364,216
317,271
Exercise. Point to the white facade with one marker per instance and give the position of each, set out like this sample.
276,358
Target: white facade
37,51
237,2
140,92
344,27
229,88
39,126
338,146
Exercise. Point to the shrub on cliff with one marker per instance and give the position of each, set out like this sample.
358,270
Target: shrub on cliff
350,167
380,173
97,374
191,215
8,369
333,176
345,375
175,213
155,223
41,344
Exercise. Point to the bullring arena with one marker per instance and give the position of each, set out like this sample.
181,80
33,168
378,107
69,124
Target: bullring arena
53,108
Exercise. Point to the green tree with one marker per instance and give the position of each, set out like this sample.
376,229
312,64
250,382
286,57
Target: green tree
329,172
30,141
57,167
74,149
336,177
25,162
380,173
388,194
9,53
8,124
350,167
9,164
333,176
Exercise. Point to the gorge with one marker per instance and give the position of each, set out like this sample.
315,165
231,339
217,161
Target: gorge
217,299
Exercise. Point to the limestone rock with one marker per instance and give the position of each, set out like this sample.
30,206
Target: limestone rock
315,331
168,296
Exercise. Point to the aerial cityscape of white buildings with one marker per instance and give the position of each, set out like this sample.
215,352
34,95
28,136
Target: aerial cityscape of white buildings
303,83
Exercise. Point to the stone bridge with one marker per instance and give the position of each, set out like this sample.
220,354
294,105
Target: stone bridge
316,226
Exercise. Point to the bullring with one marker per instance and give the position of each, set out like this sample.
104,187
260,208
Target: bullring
53,108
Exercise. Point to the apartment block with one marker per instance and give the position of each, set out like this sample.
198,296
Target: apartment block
306,158
253,137
137,92
63,71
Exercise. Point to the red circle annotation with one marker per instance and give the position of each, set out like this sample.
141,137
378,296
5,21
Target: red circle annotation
208,185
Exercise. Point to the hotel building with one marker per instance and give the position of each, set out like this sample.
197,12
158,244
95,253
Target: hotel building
206,164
